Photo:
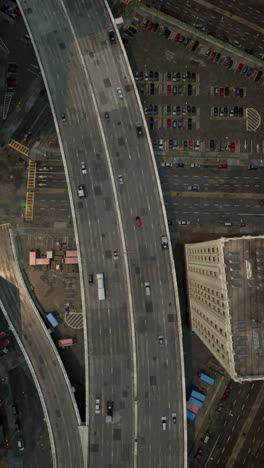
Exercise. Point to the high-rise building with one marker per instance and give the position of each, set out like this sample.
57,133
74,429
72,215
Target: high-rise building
226,300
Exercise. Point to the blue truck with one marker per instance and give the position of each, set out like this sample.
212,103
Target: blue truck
205,378
52,320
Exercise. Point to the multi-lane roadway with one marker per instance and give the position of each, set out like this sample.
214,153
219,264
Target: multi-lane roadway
125,361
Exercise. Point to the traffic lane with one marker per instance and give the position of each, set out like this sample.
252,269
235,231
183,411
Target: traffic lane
213,213
55,392
171,179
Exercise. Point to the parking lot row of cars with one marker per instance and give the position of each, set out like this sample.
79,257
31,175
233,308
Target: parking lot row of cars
228,112
159,89
169,76
190,145
153,109
194,45
226,91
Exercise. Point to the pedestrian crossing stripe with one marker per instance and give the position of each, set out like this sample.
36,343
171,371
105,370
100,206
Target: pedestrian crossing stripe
4,227
31,174
19,147
29,206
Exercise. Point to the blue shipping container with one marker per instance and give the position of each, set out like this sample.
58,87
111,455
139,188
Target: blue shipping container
205,378
52,320
190,415
195,402
198,395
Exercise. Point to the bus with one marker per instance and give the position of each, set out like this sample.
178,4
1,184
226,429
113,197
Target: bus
100,286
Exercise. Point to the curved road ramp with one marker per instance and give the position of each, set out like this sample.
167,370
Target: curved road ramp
61,413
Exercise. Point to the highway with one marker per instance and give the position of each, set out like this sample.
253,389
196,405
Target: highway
125,362
59,409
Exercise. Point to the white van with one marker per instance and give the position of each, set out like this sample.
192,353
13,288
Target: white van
147,288
164,423
228,224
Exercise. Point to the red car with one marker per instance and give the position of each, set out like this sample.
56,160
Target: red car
222,91
190,144
233,146
169,89
226,393
168,123
11,84
17,12
150,26
155,144
138,221
177,37
5,343
2,335
222,166
212,56
240,66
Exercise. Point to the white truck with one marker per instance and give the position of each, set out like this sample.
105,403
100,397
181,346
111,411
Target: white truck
81,191
100,286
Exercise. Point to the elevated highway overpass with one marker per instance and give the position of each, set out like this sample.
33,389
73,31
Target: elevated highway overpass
125,361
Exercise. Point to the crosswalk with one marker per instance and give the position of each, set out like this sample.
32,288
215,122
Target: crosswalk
5,227
19,147
7,102
30,193
29,206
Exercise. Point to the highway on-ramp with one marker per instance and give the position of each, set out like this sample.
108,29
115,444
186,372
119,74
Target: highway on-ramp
60,411
127,363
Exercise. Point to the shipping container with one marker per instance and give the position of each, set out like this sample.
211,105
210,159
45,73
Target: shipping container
205,378
192,408
198,395
195,402
190,415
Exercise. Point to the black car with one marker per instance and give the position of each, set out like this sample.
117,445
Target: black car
90,279
150,77
109,408
195,45
155,109
193,110
156,76
178,76
193,77
189,124
111,36
167,34
259,75
230,64
236,111
180,165
185,144
142,88
42,92
189,89
186,41
150,109
170,144
152,88
189,110
240,112
226,91
217,58
215,111
169,76
133,29
129,32
212,145
241,92
168,109
151,123
155,27
225,111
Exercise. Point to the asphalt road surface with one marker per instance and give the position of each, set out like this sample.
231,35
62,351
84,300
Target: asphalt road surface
126,362
55,392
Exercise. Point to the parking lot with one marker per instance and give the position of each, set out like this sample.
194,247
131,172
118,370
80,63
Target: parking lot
195,95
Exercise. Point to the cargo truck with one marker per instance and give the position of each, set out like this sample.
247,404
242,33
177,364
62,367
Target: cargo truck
100,286
205,378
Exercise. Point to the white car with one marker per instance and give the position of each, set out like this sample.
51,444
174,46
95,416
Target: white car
164,423
20,444
161,144
174,418
120,178
116,255
197,145
161,340
98,405
120,93
83,166
195,165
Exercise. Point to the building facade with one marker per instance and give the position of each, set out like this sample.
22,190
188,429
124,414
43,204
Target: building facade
226,292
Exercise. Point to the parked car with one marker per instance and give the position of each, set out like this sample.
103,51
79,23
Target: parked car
212,145
169,89
240,66
138,221
193,187
222,166
233,146
189,89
